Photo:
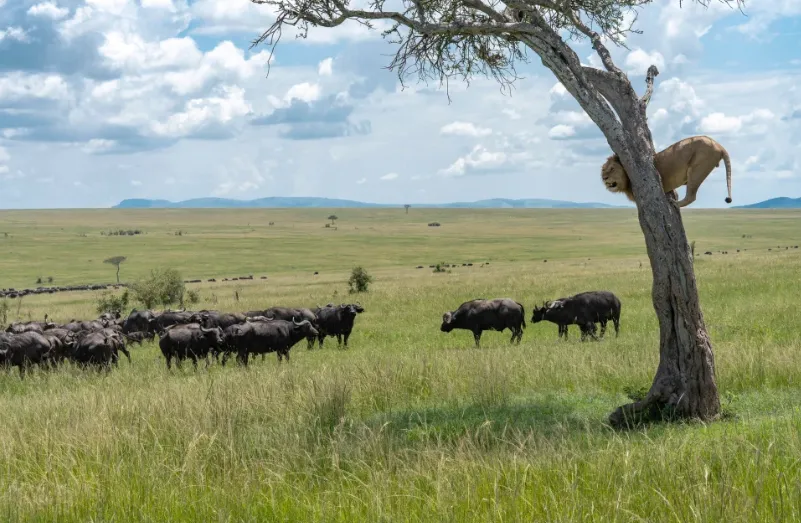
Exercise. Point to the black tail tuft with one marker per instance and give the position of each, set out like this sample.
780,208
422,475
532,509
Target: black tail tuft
728,200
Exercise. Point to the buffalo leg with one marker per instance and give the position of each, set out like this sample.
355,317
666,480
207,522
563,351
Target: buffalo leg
346,336
617,326
477,337
310,341
339,340
127,354
603,328
169,361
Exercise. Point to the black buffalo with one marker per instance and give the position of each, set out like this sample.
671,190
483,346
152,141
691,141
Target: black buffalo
138,321
336,320
260,337
290,313
482,315
19,327
168,319
190,341
211,319
24,350
94,348
585,310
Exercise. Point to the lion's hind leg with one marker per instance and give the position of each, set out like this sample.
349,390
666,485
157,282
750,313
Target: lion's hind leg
696,174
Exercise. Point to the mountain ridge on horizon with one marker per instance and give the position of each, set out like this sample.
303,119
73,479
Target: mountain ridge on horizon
319,202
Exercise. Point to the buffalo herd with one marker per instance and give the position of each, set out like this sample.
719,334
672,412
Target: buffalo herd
207,333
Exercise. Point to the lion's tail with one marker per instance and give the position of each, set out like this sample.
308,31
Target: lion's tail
727,163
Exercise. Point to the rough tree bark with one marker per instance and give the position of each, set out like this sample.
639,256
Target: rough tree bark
462,35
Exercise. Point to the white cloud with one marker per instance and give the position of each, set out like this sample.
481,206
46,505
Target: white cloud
18,86
572,118
558,90
512,114
200,113
305,92
361,181
477,161
389,177
136,183
13,33
561,131
681,97
48,10
720,123
638,61
325,68
464,129
4,156
98,145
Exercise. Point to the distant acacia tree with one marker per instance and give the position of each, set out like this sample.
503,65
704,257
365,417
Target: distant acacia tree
333,218
407,208
446,40
116,261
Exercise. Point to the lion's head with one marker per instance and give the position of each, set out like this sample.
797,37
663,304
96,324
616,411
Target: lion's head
614,175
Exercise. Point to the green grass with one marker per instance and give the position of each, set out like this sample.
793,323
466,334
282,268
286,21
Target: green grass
409,423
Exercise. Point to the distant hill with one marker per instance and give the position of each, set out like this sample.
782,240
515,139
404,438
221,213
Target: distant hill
774,203
302,202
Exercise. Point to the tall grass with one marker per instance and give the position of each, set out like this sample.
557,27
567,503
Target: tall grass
412,424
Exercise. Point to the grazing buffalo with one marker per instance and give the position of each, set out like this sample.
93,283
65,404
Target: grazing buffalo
88,326
190,341
260,337
481,315
336,320
94,348
288,313
211,319
19,327
585,310
138,321
23,350
168,319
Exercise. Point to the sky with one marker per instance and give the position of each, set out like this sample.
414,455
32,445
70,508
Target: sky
102,100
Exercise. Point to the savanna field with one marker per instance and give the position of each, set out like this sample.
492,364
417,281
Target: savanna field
408,423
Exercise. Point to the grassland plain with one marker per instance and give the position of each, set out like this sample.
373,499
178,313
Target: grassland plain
408,424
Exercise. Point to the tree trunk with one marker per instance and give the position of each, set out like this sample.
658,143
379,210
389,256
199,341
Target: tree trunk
684,385
118,273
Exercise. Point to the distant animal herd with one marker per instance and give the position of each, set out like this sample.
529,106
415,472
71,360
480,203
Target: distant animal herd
198,335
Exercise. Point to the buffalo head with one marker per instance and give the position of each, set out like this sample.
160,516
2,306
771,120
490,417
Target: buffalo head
447,322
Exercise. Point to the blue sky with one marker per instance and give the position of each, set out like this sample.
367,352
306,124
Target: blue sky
102,100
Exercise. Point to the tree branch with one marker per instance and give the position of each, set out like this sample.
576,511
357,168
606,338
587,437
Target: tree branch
595,38
652,73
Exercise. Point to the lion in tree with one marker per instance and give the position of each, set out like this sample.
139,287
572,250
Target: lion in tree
686,162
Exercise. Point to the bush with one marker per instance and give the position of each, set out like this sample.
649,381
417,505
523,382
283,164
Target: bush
163,287
4,308
359,280
192,297
113,304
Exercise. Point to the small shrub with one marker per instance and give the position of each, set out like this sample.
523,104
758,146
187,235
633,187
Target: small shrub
359,280
439,268
49,279
192,297
113,304
4,308
163,287
39,280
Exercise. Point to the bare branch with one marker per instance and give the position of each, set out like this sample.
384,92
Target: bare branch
652,73
595,38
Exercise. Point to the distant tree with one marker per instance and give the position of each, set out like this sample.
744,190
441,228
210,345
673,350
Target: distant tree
116,261
407,208
448,40
333,218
